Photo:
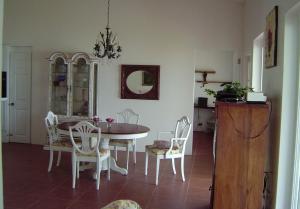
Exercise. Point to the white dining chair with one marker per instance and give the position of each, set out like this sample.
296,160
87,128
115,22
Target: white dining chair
57,142
126,116
172,149
89,150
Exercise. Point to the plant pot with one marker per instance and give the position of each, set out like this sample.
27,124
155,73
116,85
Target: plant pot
228,97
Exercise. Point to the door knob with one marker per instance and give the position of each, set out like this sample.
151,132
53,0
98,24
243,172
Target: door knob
11,104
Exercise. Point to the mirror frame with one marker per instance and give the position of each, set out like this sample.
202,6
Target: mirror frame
126,93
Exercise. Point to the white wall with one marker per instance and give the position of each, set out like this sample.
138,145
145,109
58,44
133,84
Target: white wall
164,33
1,38
255,14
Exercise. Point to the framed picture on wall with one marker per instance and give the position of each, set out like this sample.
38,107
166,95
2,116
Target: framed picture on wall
271,36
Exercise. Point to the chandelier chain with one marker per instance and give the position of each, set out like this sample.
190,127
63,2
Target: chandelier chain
108,7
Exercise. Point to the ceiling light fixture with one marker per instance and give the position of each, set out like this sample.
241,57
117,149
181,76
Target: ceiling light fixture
107,46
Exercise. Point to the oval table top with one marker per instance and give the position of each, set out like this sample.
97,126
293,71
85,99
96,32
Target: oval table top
116,131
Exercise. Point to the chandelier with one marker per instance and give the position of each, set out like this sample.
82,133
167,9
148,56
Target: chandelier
107,46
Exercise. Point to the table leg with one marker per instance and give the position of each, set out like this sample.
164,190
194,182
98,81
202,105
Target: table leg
115,167
104,143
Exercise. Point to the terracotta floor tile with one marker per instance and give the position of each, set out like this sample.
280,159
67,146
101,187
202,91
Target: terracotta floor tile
20,201
166,203
199,200
28,185
86,205
51,203
66,192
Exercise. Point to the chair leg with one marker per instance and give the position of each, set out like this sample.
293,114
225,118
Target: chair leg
116,153
127,157
50,161
73,170
173,165
182,168
99,165
108,167
146,163
58,158
157,170
134,153
77,169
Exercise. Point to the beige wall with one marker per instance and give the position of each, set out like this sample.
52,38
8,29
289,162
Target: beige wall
165,33
255,14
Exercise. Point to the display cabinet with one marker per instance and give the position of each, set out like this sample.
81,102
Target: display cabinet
73,84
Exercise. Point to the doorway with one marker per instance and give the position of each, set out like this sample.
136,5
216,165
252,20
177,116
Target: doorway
17,61
212,69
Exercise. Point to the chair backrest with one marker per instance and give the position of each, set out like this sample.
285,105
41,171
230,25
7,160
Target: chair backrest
128,116
87,134
182,131
51,122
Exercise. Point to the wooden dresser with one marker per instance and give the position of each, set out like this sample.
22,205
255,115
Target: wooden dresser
241,147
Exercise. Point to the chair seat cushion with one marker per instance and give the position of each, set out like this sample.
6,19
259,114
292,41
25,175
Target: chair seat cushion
120,142
162,144
65,142
122,204
160,147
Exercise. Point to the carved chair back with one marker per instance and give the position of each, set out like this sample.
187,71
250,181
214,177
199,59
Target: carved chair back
182,132
51,122
128,116
89,136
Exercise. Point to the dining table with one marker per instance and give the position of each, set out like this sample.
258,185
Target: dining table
120,131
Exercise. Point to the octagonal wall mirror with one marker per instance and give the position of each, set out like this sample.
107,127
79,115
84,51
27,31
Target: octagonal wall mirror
140,82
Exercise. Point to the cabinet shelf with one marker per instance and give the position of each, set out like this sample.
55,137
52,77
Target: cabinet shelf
81,87
60,73
82,74
59,101
79,101
59,86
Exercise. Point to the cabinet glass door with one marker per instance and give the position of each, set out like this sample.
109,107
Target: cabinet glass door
81,77
59,85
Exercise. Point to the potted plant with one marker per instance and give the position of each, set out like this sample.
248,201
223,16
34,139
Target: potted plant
232,92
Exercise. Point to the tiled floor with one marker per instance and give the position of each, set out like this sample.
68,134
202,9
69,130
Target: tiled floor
28,185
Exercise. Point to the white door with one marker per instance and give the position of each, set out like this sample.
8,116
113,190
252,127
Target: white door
19,94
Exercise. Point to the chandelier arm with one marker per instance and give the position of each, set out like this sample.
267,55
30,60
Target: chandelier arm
103,42
103,55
